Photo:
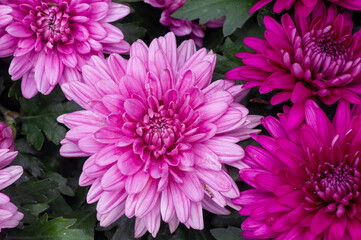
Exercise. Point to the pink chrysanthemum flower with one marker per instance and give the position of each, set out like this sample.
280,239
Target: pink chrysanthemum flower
317,57
182,27
51,39
6,137
158,135
9,215
304,7
307,180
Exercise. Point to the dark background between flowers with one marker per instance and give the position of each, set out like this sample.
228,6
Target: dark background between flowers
48,193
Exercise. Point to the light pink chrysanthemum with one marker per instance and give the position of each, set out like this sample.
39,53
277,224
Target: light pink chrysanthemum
307,181
304,7
317,57
51,39
158,135
9,215
182,27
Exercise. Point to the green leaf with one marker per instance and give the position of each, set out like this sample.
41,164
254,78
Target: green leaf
36,208
213,39
86,220
33,133
132,32
30,163
250,29
146,17
265,11
15,90
33,191
228,61
55,229
22,146
230,233
236,12
124,230
32,196
233,219
40,117
63,187
60,207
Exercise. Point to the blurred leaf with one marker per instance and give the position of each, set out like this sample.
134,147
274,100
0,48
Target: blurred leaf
249,29
59,207
33,133
80,196
125,229
230,233
236,12
33,191
40,117
147,17
233,219
36,208
15,90
228,61
247,142
22,146
55,229
62,182
265,11
132,32
230,49
27,159
213,39
30,163
86,219
233,172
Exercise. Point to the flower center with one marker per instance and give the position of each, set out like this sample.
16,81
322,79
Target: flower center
325,52
160,130
330,47
51,23
337,186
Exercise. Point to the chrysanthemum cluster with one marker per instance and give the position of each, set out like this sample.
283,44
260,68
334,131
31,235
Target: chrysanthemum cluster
181,27
307,181
9,215
319,56
304,7
51,39
307,174
158,135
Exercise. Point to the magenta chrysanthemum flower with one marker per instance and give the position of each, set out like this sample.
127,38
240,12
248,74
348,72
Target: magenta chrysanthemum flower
182,27
307,180
317,57
304,7
158,135
51,39
9,215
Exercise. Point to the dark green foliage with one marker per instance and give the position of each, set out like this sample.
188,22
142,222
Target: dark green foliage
230,233
40,115
235,11
55,229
